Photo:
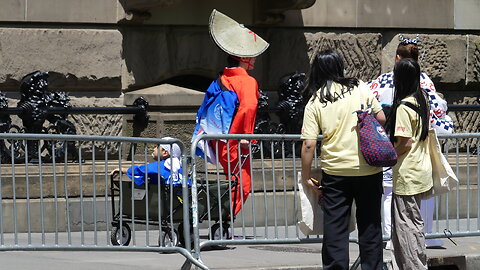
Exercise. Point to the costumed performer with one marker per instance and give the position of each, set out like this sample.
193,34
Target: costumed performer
239,100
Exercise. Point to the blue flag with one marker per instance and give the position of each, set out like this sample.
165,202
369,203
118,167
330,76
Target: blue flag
214,116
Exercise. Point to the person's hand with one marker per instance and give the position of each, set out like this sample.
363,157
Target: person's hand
115,173
317,187
244,144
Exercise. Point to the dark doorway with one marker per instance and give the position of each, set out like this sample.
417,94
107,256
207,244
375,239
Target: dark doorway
194,82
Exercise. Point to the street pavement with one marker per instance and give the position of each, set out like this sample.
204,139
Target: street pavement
465,254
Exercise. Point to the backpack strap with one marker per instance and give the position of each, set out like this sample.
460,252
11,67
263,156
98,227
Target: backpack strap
411,106
219,82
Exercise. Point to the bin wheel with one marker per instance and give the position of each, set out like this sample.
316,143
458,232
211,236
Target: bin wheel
125,237
217,234
169,237
182,237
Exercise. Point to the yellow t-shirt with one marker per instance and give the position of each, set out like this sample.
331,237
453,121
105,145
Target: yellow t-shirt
413,172
340,152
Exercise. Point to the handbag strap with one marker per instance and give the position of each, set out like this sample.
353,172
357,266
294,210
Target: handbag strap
361,99
362,95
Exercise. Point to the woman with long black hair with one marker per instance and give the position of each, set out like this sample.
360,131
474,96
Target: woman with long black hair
384,89
330,111
408,126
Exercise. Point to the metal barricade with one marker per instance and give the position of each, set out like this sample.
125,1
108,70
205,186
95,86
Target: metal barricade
269,214
456,214
78,206
60,205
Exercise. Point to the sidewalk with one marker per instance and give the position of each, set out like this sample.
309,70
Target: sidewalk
466,255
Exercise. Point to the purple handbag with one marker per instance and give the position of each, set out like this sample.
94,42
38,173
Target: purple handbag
375,145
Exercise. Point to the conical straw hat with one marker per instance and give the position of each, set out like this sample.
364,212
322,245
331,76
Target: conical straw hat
234,38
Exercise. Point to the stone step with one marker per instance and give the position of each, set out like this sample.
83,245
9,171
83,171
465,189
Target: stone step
56,214
467,205
261,209
282,177
23,177
264,178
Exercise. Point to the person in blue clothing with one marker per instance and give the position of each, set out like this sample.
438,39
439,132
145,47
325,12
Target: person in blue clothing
167,162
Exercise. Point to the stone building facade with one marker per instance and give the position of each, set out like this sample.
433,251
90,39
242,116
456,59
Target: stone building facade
107,53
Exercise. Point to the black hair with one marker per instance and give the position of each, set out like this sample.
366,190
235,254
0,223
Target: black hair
327,66
232,61
406,78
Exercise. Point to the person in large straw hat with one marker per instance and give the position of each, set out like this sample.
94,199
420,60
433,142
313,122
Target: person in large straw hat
235,39
242,46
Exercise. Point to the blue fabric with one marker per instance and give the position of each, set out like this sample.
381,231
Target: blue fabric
214,116
137,173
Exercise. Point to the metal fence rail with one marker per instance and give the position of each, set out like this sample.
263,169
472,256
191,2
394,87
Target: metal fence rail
78,206
457,212
270,213
62,205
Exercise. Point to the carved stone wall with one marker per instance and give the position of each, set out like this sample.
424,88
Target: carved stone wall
293,50
442,57
434,56
473,60
99,125
452,61
361,52
468,121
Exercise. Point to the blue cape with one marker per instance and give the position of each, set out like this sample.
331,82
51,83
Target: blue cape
214,116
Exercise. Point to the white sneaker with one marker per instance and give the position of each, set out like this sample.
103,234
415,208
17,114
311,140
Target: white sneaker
433,242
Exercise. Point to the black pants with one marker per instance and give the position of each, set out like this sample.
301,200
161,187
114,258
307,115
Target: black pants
339,193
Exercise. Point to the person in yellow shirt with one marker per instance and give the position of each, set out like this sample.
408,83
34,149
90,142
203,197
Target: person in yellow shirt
412,175
332,101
